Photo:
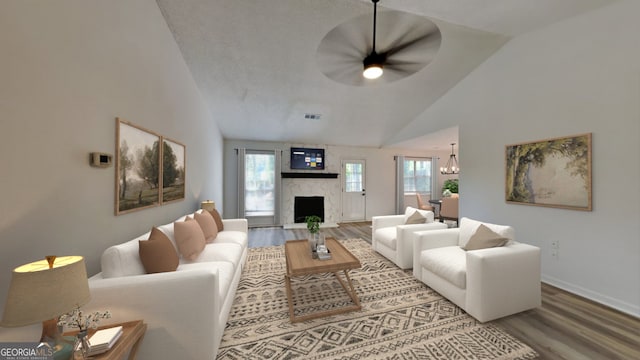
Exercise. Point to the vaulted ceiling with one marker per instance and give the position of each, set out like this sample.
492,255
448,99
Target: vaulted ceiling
256,64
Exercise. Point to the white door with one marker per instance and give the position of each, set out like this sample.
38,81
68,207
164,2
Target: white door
353,190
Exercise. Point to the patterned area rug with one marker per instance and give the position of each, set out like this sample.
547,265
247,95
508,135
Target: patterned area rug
401,318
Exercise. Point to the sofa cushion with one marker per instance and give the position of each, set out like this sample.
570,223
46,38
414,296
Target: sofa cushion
234,237
228,252
387,237
416,218
468,227
449,262
189,238
217,218
207,224
484,238
123,259
157,254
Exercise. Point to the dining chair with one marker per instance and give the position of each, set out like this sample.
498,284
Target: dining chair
422,205
449,209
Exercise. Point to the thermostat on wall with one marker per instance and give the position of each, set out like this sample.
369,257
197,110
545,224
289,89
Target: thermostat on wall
100,159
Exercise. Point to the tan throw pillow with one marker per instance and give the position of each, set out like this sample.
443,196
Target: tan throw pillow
484,238
189,238
416,218
208,225
158,254
218,219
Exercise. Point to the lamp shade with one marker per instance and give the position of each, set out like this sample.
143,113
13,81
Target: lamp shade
208,205
38,293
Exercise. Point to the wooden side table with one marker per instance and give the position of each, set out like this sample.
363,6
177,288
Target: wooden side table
132,334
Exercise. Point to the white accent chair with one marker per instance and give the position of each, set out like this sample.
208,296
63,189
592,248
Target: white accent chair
487,283
391,236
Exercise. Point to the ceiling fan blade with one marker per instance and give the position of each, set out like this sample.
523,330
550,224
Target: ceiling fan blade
393,74
401,63
407,68
422,41
348,73
422,54
396,28
349,38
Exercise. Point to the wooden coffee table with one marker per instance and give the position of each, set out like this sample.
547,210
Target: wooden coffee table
300,262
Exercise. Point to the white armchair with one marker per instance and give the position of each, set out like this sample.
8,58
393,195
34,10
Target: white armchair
487,283
391,235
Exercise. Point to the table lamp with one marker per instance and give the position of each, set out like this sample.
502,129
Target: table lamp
208,205
43,290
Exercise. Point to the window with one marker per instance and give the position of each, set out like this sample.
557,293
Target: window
417,175
259,184
354,176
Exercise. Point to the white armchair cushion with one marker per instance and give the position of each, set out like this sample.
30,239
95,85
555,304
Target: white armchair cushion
485,238
447,262
409,211
468,227
416,218
387,237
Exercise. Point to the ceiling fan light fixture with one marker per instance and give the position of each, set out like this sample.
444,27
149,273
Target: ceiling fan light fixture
372,72
373,66
374,61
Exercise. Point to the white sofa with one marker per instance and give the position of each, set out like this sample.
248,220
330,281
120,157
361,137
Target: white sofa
487,283
391,236
186,310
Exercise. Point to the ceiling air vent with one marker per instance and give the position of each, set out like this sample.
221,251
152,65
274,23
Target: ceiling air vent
312,116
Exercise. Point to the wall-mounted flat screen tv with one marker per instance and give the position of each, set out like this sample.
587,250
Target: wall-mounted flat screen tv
307,159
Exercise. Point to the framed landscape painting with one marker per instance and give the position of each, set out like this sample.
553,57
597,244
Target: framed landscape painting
173,170
137,168
553,172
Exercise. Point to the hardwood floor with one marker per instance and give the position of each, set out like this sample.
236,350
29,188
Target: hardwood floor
566,326
271,236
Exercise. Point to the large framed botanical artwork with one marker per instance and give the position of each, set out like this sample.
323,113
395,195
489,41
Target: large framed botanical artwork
138,171
173,170
553,172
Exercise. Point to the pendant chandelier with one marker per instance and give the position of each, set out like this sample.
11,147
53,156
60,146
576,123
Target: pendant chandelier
452,165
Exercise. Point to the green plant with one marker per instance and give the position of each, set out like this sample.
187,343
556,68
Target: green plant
451,185
313,223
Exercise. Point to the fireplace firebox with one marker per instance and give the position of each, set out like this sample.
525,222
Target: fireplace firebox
304,206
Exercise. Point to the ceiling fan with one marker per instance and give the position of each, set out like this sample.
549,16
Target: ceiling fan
401,44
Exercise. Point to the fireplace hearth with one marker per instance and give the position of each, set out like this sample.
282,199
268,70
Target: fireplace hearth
304,206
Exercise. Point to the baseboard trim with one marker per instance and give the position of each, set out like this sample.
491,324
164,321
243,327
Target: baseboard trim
627,308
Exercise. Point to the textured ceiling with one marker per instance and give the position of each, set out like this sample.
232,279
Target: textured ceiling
255,63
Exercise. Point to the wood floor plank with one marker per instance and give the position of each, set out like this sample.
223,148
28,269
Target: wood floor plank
566,326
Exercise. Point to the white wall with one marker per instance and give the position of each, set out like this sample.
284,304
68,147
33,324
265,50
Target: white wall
380,172
68,68
581,75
